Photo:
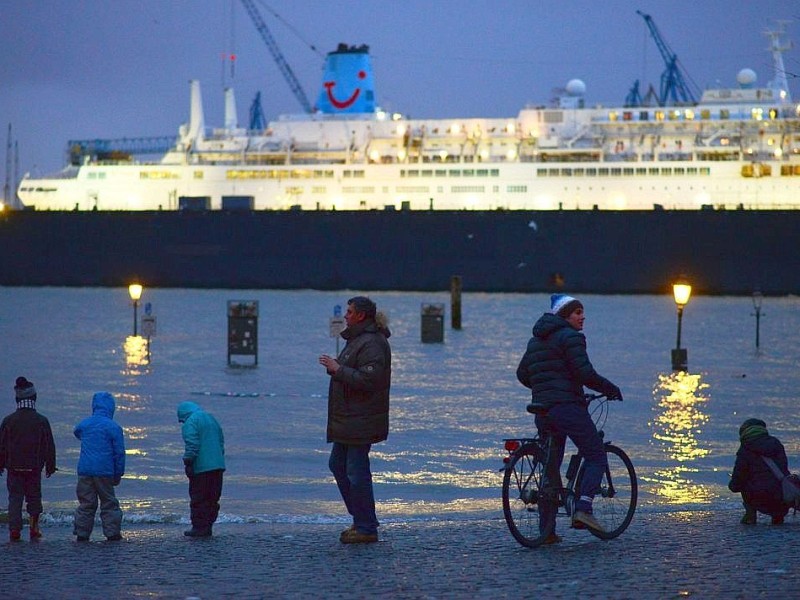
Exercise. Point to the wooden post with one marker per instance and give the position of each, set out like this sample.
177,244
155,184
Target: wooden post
455,301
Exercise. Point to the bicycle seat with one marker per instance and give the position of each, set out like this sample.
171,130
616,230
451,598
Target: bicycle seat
537,408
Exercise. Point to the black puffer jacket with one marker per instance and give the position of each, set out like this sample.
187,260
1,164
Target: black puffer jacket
358,395
556,366
751,474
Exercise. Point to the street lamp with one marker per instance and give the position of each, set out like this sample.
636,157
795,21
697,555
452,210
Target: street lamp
135,290
681,290
757,298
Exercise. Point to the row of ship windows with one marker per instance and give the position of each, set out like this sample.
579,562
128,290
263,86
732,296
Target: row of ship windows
622,171
315,173
412,173
687,114
419,189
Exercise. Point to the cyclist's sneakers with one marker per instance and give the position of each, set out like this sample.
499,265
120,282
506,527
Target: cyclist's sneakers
587,519
356,537
553,538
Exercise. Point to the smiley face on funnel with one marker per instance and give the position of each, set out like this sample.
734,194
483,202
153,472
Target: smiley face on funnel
347,83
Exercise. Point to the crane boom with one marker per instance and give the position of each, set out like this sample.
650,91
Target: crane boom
277,55
674,87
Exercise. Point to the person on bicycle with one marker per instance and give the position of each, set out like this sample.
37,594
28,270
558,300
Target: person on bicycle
556,367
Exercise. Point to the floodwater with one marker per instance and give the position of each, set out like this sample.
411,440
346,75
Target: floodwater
452,403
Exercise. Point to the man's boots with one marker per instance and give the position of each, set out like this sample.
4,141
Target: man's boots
34,526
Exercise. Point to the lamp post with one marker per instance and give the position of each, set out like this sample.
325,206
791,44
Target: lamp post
757,298
681,290
135,290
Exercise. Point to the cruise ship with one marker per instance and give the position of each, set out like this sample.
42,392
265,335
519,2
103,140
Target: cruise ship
733,148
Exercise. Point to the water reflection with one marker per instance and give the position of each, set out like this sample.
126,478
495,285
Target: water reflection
678,421
137,354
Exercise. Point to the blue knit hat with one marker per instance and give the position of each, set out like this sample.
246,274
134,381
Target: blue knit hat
564,305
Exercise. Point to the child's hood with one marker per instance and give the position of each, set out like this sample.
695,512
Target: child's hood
103,404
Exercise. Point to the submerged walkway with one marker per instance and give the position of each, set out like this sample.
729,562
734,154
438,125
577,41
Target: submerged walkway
665,555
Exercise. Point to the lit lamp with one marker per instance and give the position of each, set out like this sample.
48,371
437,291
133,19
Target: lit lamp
757,298
681,290
135,290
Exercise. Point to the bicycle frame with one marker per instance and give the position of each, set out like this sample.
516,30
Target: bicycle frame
532,489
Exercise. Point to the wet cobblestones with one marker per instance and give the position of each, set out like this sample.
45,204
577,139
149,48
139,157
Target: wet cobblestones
662,555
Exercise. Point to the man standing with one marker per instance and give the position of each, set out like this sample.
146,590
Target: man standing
358,412
26,447
204,464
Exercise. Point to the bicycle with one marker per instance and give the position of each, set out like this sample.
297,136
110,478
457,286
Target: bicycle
526,489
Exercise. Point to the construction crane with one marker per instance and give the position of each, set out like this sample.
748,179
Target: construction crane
674,87
277,55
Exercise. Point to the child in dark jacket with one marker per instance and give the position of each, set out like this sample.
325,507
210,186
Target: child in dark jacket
100,468
761,491
26,447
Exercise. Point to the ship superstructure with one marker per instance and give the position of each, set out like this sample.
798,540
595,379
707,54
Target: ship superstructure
734,148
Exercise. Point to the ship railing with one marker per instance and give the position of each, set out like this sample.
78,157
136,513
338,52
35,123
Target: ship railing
675,156
620,157
70,172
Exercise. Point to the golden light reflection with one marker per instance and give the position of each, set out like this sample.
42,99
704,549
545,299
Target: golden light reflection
679,419
137,353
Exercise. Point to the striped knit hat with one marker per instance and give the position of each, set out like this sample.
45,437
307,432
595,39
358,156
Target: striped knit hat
752,428
25,393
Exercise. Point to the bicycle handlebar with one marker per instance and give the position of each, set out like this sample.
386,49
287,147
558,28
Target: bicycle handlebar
590,397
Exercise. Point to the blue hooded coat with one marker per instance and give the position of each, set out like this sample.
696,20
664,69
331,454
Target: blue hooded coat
102,441
202,437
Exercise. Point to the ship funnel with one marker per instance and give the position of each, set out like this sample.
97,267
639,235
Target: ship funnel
196,122
347,83
231,122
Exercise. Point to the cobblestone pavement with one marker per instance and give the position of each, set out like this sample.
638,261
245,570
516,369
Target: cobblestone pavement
661,555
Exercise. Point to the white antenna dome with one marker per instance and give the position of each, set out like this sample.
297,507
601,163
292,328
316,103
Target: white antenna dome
576,87
746,78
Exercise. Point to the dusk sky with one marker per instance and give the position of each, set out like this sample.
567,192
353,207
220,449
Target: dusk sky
80,69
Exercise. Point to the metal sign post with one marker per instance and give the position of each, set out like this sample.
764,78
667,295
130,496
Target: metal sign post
337,325
148,326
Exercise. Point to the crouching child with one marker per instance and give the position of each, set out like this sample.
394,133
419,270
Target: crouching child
752,477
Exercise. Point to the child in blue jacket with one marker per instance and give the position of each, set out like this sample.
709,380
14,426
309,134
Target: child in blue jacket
100,468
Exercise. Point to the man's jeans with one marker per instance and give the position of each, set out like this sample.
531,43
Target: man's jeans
350,466
573,420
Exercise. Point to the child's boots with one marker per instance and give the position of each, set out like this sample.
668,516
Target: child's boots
34,527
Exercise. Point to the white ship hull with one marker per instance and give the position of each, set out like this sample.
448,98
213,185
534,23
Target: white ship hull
516,186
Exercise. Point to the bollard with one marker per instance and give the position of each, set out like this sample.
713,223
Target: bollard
455,301
432,321
243,329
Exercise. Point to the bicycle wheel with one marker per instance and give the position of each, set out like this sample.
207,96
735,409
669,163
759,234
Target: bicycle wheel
615,503
522,496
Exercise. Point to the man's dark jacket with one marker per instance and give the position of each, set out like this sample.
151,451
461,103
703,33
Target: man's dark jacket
358,395
556,366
